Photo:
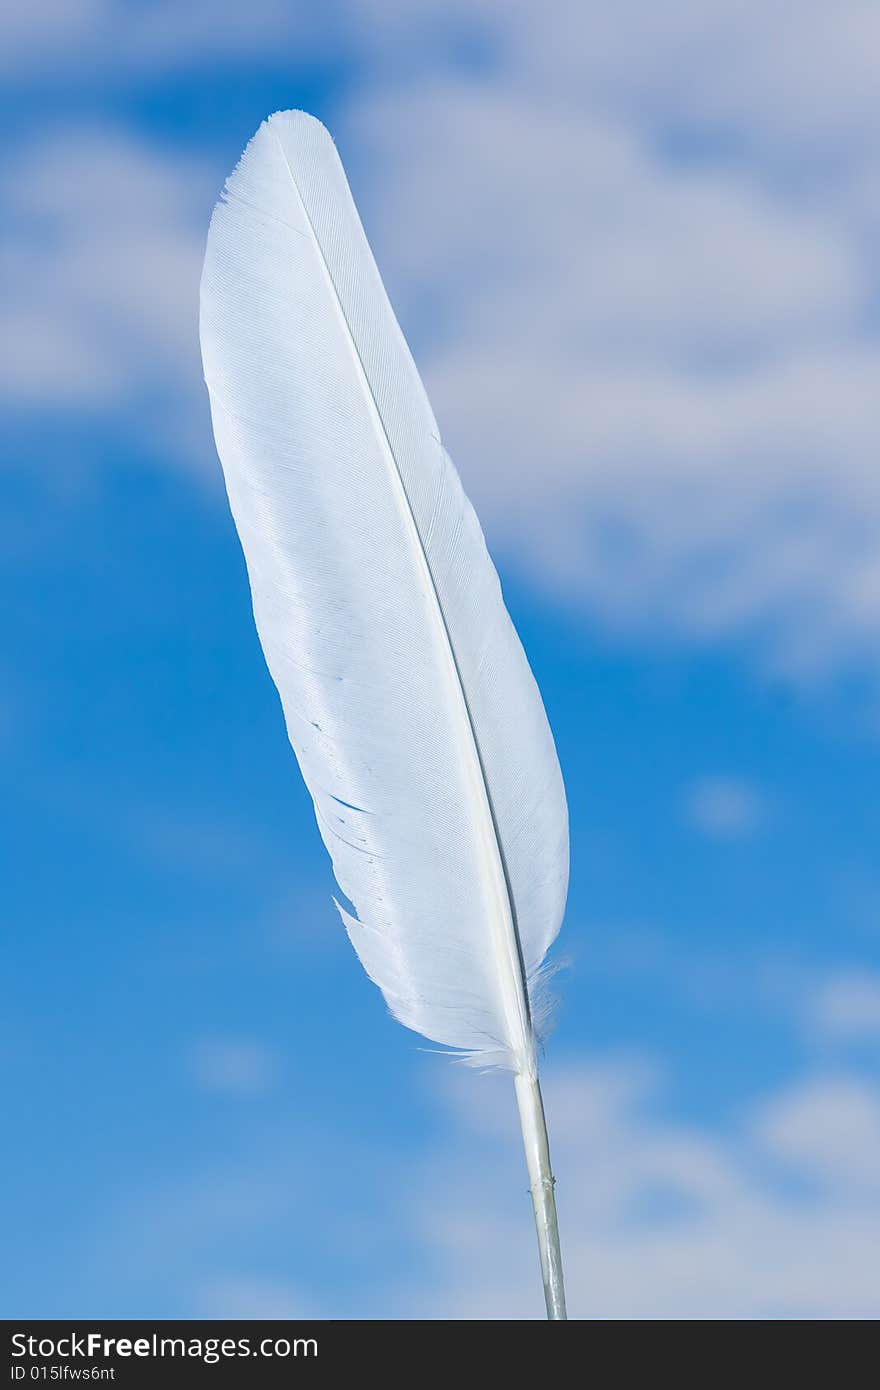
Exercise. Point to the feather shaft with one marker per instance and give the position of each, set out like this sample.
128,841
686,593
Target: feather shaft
542,1185
513,988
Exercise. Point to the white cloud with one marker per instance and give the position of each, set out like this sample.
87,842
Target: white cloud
828,1129
724,807
664,1219
635,253
770,1212
846,1005
115,39
236,1066
654,377
100,259
739,70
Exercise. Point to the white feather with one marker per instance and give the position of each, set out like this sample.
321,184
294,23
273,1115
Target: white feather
410,705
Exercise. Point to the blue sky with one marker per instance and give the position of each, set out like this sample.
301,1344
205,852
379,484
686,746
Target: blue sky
635,254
